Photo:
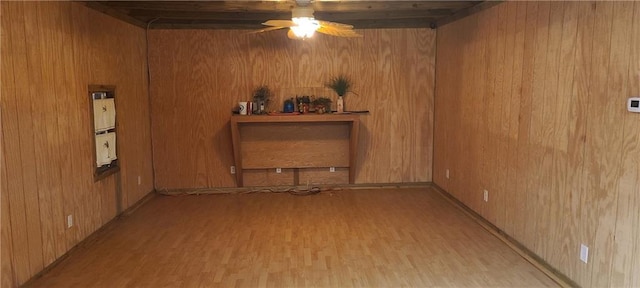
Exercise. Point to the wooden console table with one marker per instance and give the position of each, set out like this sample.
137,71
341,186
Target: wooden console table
295,141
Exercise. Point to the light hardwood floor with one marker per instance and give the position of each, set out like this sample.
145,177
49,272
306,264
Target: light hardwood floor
410,237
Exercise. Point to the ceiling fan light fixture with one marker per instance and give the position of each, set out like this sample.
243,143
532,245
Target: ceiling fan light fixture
305,26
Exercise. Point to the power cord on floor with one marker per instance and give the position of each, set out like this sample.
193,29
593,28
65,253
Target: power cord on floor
292,191
296,191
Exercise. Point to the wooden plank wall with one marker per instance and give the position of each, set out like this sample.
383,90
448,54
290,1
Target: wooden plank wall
530,105
198,77
51,52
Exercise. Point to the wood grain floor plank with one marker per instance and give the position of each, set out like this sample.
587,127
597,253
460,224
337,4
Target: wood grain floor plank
351,238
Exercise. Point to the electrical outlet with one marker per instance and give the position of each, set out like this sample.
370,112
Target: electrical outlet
278,170
446,173
69,221
486,196
332,169
139,180
584,253
233,169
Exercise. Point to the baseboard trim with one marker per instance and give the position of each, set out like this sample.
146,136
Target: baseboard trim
516,246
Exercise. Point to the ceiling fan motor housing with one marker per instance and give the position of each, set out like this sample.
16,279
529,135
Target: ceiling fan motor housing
302,12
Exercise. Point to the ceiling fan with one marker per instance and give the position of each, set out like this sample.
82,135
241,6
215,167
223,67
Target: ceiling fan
303,25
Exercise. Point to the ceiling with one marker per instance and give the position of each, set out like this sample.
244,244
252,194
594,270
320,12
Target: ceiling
250,14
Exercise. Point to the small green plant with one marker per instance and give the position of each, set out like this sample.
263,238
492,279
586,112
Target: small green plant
341,84
261,97
262,93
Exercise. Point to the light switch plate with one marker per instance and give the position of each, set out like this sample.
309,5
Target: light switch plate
584,253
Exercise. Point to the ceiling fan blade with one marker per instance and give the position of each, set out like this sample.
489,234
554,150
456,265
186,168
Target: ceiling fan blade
335,25
279,23
265,30
338,32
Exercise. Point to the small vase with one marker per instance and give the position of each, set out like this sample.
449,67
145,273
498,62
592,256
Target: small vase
340,104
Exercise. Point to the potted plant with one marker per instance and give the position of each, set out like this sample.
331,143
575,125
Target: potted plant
341,84
261,97
322,105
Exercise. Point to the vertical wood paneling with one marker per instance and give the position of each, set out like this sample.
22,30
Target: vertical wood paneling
59,148
68,120
477,119
547,195
466,112
6,245
83,68
51,52
442,161
421,65
512,196
45,132
582,85
628,215
501,124
488,122
26,146
204,73
535,197
524,120
602,136
631,222
613,131
11,143
564,195
571,148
